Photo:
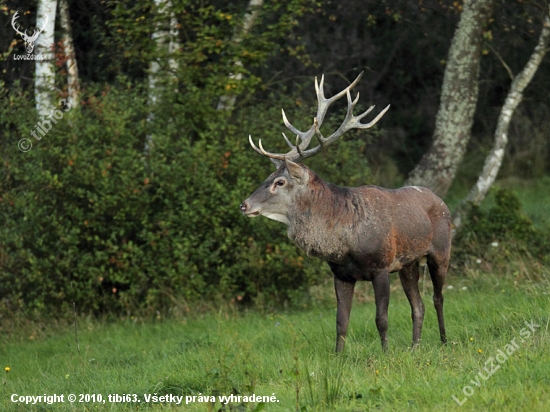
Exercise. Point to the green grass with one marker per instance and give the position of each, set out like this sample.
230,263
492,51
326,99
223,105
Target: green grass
534,196
290,355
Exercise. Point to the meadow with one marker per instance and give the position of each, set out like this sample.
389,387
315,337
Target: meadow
497,357
180,302
230,358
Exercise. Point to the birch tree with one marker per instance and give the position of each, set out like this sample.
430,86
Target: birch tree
73,81
459,94
166,45
513,99
44,82
227,102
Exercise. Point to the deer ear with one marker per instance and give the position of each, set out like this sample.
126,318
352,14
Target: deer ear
296,172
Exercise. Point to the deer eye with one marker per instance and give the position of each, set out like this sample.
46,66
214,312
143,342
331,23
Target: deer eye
280,183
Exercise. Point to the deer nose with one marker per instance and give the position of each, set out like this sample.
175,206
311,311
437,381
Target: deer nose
244,207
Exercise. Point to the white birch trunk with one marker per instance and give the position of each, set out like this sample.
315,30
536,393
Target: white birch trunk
173,45
227,102
513,99
44,82
165,40
73,82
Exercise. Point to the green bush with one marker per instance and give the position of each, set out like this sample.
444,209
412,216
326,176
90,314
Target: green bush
503,225
87,218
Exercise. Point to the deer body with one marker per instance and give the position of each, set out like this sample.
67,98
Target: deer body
364,233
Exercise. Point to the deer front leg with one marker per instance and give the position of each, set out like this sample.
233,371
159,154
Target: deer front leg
344,296
381,286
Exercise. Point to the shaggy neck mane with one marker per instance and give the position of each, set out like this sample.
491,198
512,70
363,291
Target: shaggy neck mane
323,218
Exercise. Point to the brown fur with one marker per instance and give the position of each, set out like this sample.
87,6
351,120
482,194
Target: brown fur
364,233
389,226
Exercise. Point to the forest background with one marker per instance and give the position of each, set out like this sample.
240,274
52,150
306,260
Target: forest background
128,205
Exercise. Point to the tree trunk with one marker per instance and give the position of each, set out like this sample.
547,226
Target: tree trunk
513,99
166,45
227,102
173,45
437,168
73,81
44,82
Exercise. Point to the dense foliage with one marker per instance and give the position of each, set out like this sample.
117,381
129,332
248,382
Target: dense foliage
402,46
501,231
89,217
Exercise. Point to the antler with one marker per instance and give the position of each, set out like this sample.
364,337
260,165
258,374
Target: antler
299,151
36,33
15,17
25,36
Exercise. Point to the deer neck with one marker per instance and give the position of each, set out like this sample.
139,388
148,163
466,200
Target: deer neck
317,222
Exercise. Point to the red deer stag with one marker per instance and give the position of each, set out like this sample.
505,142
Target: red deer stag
364,233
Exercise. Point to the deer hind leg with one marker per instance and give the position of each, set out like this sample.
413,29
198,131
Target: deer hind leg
381,286
438,271
344,297
409,279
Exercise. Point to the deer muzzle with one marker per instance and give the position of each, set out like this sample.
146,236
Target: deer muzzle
246,210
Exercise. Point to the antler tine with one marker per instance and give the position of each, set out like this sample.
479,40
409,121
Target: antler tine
305,137
370,109
324,103
347,89
351,121
288,125
319,86
277,159
288,142
268,154
13,19
36,33
45,23
253,145
373,121
298,145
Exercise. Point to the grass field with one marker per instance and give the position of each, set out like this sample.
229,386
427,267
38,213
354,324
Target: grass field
497,357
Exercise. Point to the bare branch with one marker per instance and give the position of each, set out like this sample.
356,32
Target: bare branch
499,57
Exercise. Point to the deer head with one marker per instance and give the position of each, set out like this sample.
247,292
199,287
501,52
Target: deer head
279,191
29,40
